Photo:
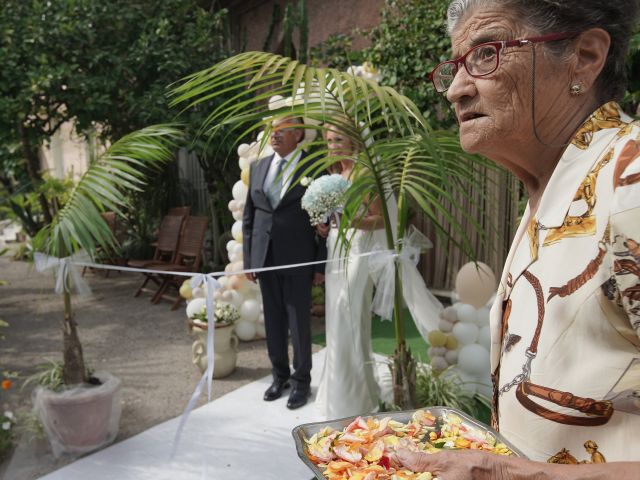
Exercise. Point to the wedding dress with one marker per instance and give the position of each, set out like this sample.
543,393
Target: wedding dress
348,385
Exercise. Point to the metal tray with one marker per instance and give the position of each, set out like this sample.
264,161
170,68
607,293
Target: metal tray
308,429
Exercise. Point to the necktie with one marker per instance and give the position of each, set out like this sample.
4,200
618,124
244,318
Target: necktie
275,189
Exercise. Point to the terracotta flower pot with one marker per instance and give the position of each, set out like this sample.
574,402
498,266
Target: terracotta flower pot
82,418
225,346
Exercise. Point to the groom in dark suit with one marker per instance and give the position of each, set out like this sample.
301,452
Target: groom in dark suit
277,231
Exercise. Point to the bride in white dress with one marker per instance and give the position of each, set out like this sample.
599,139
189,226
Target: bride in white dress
348,384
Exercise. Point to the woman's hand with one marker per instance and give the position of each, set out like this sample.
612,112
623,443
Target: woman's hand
458,465
323,229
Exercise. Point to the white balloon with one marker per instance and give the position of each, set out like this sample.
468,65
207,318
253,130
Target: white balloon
233,257
239,190
465,333
217,295
232,205
450,313
475,283
451,357
445,326
277,101
243,148
234,298
245,330
198,292
439,363
226,295
466,313
236,230
484,337
482,316
237,248
230,245
436,352
224,281
260,330
249,310
261,318
485,387
237,214
243,161
469,382
474,359
196,306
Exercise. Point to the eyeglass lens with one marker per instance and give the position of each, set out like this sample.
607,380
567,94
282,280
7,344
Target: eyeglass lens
481,60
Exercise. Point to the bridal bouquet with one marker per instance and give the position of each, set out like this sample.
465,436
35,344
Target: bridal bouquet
324,196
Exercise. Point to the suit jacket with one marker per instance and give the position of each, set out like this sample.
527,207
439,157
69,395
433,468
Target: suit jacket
286,229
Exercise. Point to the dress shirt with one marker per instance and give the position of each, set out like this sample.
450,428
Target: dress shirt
287,171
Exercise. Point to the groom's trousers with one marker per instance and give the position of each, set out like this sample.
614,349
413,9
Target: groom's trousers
287,307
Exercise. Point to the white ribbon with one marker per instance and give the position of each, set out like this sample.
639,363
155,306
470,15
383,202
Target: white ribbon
211,285
423,306
64,268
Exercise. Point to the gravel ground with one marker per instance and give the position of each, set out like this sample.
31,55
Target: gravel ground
147,346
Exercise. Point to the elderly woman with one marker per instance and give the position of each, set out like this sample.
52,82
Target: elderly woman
534,84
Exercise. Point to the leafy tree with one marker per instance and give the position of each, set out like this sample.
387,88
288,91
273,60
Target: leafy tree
103,65
410,40
631,101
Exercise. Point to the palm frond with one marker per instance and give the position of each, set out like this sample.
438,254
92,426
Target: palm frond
397,149
123,166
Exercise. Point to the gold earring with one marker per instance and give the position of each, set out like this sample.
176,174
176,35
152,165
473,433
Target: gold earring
576,89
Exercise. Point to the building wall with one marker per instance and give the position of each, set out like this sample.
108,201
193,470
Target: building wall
326,17
67,153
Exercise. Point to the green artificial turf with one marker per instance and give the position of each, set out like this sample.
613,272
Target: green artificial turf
384,338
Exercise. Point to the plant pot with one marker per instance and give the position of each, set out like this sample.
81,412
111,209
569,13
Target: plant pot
225,347
82,418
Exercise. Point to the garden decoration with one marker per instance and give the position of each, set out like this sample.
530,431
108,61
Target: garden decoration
84,413
463,338
400,157
225,341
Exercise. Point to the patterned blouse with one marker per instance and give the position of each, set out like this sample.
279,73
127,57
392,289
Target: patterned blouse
565,327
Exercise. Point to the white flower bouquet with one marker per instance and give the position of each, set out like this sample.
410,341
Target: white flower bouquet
324,196
224,313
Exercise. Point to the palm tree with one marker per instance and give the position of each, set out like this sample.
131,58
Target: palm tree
398,155
78,225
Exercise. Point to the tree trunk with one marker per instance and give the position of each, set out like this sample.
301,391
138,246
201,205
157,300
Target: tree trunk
404,378
33,169
73,371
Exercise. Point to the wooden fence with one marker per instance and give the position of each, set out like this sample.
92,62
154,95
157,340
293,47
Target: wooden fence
495,209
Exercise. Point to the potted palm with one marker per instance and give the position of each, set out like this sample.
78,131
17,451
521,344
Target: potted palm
400,158
80,410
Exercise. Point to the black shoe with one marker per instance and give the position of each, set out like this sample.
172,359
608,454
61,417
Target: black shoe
275,390
298,398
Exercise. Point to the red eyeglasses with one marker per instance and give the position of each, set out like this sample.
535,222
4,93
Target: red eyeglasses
483,59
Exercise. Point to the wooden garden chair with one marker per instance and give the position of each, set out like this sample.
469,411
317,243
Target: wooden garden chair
166,249
188,259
